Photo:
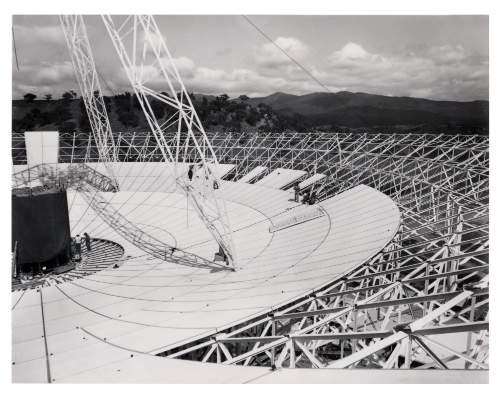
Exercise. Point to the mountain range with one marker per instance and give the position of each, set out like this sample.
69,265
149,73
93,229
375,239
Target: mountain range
279,111
358,110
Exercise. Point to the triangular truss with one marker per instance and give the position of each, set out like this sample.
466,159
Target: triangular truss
181,137
88,80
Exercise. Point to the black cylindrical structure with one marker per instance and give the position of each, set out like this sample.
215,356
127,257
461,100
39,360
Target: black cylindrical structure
40,225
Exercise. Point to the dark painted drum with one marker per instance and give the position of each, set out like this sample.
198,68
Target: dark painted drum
40,225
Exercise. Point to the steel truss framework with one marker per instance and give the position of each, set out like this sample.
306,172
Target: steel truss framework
90,183
432,279
80,51
200,187
148,63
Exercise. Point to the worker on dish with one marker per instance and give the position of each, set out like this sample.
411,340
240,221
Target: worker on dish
191,172
305,199
312,198
78,247
87,241
296,189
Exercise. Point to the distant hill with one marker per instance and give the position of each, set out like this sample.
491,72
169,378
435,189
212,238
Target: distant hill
277,112
356,110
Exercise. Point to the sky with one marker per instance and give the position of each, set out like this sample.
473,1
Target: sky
433,57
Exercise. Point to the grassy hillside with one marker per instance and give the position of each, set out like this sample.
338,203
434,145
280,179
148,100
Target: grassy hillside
277,112
125,114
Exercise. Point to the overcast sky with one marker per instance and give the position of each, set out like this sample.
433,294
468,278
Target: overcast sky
435,57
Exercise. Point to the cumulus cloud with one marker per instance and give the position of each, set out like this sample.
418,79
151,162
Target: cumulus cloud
437,72
448,72
350,51
54,78
53,73
184,66
233,82
269,55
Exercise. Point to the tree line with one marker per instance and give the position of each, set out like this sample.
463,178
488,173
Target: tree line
124,111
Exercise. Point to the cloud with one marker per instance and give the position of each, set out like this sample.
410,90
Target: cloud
54,78
351,51
269,55
271,71
184,66
437,72
52,34
233,82
151,75
447,72
53,73
447,54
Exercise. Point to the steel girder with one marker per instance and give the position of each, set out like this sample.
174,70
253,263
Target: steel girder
181,138
80,51
432,279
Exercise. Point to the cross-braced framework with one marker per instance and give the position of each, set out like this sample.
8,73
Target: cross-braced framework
88,80
422,302
181,139
90,183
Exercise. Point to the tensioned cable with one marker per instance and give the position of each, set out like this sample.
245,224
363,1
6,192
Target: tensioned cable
114,94
286,53
154,324
144,200
136,207
105,82
15,49
129,198
108,86
256,278
298,64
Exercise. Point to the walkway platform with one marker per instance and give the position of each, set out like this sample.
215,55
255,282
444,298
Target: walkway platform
281,178
311,180
255,172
